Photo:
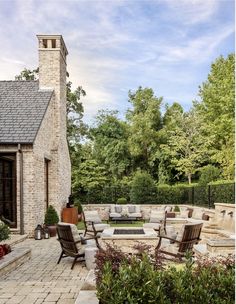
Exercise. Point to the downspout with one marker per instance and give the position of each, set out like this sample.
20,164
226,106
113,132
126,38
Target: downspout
21,191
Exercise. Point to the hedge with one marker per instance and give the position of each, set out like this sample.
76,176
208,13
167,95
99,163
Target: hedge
215,192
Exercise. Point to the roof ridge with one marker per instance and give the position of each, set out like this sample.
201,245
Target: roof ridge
36,80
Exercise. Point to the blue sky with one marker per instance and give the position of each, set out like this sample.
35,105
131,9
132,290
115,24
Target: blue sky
115,46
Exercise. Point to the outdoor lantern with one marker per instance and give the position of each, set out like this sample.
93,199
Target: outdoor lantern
46,233
38,233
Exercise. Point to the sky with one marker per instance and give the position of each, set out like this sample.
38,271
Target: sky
118,45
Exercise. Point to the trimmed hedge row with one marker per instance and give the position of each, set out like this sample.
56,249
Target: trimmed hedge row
165,194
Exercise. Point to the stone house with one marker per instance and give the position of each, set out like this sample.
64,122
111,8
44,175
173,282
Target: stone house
35,168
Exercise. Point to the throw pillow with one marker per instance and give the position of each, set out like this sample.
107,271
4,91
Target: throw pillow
131,209
118,209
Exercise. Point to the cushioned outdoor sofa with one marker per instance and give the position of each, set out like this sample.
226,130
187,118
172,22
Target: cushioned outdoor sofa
128,211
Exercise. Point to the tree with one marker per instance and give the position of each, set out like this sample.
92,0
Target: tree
217,111
27,74
89,179
145,122
187,146
143,188
110,137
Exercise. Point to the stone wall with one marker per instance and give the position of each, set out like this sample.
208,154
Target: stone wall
103,209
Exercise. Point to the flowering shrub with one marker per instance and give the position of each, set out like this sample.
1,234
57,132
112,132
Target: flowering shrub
142,278
4,231
4,235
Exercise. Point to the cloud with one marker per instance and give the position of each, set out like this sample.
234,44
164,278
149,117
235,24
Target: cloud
115,45
190,12
13,61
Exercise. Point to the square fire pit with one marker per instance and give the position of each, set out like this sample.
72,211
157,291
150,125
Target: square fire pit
126,238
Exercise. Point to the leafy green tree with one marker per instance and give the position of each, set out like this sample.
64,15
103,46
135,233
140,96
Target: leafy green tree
27,74
89,178
143,188
145,121
208,174
76,128
110,137
187,146
172,120
217,110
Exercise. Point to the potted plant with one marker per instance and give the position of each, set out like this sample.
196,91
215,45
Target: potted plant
80,210
51,219
4,235
121,201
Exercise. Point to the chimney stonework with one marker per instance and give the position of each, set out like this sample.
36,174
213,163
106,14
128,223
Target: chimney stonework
52,75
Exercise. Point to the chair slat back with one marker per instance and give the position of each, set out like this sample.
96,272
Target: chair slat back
66,239
191,236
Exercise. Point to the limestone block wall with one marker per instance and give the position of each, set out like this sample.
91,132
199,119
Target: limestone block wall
103,209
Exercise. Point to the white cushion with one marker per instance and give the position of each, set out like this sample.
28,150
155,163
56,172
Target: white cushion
184,214
131,208
74,231
156,216
168,208
92,216
114,214
136,214
112,208
155,226
98,227
197,214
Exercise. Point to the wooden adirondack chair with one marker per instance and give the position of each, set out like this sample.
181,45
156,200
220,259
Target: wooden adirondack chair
93,223
188,236
72,244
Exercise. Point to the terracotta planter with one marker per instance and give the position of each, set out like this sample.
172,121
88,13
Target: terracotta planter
52,230
70,215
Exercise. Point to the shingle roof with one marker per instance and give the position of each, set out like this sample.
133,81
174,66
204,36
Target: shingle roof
22,108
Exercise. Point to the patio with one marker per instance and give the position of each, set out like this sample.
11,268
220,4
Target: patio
41,280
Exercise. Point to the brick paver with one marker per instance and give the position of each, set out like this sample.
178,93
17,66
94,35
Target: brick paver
41,280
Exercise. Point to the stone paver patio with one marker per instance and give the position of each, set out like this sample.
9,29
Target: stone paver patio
41,280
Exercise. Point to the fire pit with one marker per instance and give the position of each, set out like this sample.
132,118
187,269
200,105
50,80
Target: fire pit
126,238
128,231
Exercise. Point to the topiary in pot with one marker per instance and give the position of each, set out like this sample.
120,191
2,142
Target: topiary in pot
121,201
51,219
80,209
176,209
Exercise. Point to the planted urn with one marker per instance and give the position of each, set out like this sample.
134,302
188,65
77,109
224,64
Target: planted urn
51,219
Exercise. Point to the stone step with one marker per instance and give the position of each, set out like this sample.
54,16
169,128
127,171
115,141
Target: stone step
15,239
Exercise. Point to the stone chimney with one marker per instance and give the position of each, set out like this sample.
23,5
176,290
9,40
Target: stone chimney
52,75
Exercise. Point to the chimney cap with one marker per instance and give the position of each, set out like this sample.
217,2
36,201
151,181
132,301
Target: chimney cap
54,37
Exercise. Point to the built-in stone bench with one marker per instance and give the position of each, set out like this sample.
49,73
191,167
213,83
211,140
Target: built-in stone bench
17,257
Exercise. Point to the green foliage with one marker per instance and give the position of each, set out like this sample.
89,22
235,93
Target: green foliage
217,110
222,192
79,206
186,145
4,231
51,216
208,174
110,136
143,189
176,209
122,201
209,281
144,123
176,194
27,74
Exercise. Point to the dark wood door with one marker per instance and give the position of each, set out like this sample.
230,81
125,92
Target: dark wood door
8,189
